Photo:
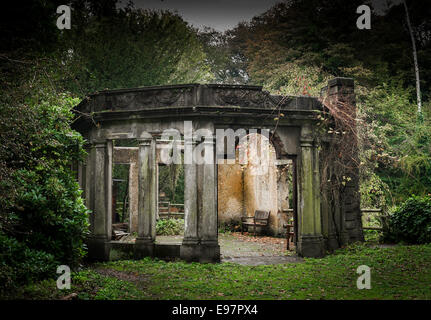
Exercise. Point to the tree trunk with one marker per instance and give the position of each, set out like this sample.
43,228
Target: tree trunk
415,59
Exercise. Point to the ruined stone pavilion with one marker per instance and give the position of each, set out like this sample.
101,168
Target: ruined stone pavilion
143,114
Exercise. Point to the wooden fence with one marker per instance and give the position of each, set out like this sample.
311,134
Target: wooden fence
169,210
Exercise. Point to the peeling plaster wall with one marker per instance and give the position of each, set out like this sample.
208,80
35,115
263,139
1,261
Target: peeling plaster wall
230,193
260,193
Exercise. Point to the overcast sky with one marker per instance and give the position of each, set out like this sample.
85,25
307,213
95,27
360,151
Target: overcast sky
218,14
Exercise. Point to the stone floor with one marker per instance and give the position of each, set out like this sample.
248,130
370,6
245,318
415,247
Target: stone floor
247,249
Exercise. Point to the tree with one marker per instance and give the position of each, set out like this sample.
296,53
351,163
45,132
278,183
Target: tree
226,65
130,47
415,59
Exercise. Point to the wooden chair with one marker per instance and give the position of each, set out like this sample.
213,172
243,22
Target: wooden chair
290,233
260,219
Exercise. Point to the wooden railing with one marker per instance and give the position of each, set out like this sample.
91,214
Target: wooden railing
166,212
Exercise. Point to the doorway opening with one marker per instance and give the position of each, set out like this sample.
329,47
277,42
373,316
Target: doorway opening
262,183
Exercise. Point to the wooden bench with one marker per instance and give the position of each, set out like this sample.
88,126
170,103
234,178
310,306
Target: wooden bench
260,219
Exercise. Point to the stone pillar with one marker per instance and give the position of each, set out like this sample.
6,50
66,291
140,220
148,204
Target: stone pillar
310,242
147,206
316,189
81,175
189,248
208,229
99,198
133,196
89,183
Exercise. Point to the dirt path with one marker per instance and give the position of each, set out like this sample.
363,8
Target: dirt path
260,250
247,249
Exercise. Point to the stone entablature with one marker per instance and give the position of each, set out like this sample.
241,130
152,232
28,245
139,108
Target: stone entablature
196,97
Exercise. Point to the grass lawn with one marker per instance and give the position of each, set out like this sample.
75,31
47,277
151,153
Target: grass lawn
400,272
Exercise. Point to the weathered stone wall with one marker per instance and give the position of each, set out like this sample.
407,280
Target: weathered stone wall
260,193
284,182
230,193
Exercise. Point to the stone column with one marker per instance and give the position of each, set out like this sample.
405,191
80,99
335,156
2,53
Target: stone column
147,205
89,183
189,248
99,199
310,242
208,229
133,196
316,190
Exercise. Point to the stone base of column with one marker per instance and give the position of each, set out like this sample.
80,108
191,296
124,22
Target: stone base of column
204,251
311,246
210,251
331,242
190,250
344,238
144,248
98,248
356,235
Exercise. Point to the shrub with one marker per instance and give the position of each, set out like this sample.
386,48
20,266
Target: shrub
52,215
231,226
410,222
170,227
21,265
43,220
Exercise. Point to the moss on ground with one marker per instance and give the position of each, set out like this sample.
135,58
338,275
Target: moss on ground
399,272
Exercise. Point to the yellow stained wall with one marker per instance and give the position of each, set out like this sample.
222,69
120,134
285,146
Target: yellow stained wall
230,193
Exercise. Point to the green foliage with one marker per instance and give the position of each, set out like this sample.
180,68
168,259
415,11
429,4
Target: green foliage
171,182
226,63
228,227
372,236
22,265
170,227
47,208
395,146
130,48
51,214
373,191
294,79
41,205
411,221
